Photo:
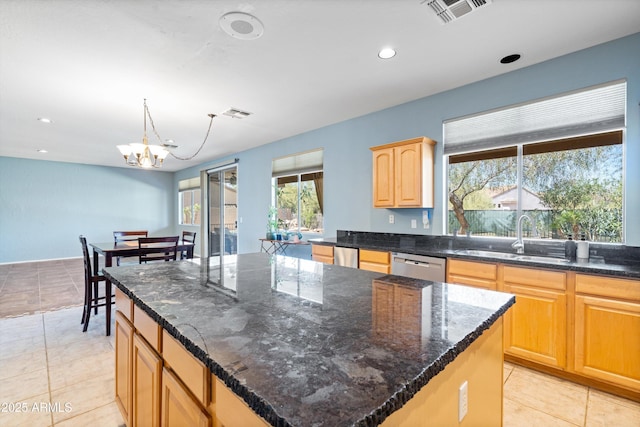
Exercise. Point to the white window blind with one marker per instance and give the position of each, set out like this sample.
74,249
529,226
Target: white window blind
592,110
308,161
189,184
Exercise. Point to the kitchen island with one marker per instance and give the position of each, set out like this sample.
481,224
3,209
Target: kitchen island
305,343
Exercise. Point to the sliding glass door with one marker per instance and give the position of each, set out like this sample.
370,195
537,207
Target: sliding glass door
223,210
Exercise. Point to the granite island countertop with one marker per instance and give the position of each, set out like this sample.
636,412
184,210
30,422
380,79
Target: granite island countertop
296,339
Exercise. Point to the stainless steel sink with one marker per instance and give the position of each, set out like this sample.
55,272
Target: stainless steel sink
515,257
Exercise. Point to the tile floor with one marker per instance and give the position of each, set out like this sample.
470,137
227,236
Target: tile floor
59,376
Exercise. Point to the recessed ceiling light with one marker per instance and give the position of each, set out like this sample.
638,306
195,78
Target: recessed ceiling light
45,120
510,58
386,53
42,151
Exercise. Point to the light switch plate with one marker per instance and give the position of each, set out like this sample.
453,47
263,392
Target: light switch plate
414,223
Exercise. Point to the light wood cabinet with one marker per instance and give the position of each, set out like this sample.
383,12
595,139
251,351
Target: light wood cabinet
124,370
179,408
472,273
230,410
607,329
374,261
147,371
536,326
403,174
322,253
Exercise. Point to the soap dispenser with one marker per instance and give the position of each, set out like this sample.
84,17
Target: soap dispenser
582,250
570,248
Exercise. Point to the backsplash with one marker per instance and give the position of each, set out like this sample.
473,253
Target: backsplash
604,252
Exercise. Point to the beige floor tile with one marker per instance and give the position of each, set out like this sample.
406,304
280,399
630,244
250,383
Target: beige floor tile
104,416
67,352
79,370
85,396
507,370
606,410
33,412
22,364
516,414
10,349
553,396
24,386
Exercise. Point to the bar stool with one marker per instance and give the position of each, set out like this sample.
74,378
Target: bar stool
92,299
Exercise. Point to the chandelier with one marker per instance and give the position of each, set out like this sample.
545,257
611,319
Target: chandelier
147,155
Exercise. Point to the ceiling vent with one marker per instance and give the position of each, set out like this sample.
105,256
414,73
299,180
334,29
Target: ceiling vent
450,10
236,114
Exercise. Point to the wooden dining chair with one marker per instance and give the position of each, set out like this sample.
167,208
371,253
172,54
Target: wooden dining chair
92,279
158,248
127,236
188,237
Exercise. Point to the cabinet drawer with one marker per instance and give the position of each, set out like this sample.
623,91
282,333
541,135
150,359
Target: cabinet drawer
474,269
608,287
147,327
322,250
124,304
535,277
189,369
377,257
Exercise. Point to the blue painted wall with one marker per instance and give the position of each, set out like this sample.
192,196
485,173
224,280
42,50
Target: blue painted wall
31,191
45,206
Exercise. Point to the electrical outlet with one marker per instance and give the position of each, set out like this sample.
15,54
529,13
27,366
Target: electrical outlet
391,219
463,401
425,220
414,223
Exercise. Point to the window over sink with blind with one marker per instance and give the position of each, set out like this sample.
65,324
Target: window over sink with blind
558,159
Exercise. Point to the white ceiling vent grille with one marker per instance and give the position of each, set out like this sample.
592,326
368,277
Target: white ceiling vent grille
450,10
236,114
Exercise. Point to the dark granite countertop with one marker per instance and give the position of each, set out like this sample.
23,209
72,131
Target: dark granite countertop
295,338
607,259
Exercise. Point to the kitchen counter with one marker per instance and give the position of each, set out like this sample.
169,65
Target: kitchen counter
295,339
612,262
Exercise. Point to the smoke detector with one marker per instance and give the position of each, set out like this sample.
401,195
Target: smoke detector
241,25
450,10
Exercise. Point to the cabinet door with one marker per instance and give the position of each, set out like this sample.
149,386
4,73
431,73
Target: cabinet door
536,326
408,175
147,371
383,178
607,340
179,408
124,351
322,253
378,261
477,274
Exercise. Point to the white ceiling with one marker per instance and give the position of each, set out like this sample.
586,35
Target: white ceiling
88,65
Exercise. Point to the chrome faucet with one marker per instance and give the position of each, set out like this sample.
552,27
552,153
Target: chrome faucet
518,245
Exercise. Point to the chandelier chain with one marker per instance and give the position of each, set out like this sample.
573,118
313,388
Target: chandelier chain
153,127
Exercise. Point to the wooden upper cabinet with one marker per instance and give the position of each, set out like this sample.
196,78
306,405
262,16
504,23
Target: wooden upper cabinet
403,174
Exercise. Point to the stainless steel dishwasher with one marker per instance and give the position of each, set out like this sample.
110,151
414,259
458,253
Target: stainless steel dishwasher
418,266
347,257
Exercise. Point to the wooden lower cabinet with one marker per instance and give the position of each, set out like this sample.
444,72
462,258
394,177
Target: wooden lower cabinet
322,253
124,370
607,330
472,273
378,261
147,375
536,326
231,411
179,408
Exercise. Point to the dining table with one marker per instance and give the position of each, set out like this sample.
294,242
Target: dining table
130,248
